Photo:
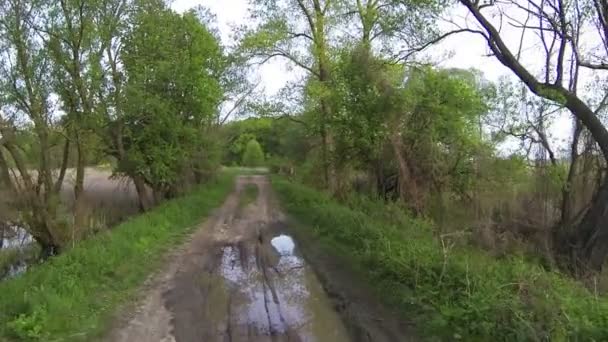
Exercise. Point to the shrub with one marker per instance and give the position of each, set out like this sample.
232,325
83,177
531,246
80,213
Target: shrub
253,155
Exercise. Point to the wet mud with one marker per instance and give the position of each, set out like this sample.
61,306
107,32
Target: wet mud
241,277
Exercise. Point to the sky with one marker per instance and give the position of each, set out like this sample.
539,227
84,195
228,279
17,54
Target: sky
464,51
274,74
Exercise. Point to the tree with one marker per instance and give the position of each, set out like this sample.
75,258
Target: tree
366,92
72,37
253,155
556,26
141,79
27,111
302,40
435,133
173,64
113,22
388,22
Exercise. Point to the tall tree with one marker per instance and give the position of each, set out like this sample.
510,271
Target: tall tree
557,26
302,39
173,66
75,47
390,25
25,96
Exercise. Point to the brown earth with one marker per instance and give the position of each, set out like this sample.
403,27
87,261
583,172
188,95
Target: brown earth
241,277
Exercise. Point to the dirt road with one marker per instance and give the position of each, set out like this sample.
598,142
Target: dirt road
241,277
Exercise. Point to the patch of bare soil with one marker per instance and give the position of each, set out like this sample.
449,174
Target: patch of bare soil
242,278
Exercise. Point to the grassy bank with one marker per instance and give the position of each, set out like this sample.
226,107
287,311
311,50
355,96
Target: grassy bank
72,296
453,293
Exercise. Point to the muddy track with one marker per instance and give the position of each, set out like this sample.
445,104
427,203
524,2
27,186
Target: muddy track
241,277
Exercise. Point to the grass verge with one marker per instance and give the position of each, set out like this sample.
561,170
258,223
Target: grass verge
452,293
73,295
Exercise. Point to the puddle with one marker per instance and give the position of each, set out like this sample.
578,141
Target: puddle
283,244
16,269
15,237
16,244
274,293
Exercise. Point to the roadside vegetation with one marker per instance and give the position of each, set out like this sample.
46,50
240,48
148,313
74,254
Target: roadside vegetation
452,292
74,295
465,193
253,155
85,83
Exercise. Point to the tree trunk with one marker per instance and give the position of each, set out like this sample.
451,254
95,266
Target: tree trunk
329,171
324,76
79,205
408,189
64,165
47,248
591,235
5,176
566,209
145,201
324,155
588,242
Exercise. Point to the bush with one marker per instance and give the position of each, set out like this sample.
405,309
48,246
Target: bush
253,155
453,293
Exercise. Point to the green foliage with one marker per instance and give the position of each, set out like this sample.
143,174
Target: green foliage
71,296
239,133
366,92
253,155
453,293
172,94
435,113
443,125
278,137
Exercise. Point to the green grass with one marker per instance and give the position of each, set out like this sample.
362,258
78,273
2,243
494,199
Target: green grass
465,294
73,296
243,170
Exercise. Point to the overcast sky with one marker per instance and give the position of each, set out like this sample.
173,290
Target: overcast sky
467,51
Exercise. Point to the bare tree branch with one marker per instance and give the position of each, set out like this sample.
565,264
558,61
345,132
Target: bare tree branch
436,40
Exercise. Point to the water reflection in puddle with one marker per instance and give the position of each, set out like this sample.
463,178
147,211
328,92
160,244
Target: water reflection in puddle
283,244
274,292
15,238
